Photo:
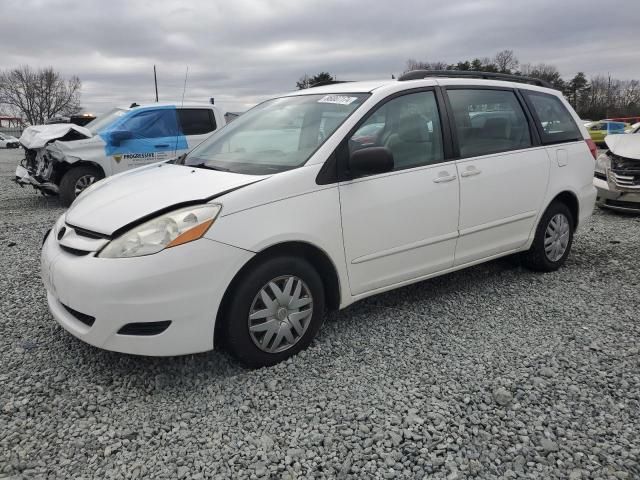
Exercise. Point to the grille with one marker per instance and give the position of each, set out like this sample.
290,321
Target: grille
87,233
88,320
625,172
74,251
144,329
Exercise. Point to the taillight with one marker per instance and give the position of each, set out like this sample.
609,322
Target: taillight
592,148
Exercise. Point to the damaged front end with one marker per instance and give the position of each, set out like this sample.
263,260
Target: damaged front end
36,169
617,174
44,162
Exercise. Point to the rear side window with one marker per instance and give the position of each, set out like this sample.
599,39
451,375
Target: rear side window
554,120
196,121
488,121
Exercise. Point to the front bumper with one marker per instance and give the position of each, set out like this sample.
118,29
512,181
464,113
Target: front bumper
183,285
23,177
611,197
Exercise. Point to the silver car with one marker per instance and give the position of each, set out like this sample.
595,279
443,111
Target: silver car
617,174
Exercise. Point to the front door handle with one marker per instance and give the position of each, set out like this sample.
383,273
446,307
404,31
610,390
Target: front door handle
162,145
444,177
470,172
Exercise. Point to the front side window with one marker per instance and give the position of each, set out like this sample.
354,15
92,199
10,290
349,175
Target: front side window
409,126
277,135
556,122
488,121
157,123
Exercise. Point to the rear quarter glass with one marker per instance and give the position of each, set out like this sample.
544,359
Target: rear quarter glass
553,120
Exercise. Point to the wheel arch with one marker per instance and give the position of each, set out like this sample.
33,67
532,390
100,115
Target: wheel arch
316,256
570,199
64,167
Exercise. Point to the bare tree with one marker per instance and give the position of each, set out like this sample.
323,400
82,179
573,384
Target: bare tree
303,82
413,64
598,97
506,61
543,71
38,95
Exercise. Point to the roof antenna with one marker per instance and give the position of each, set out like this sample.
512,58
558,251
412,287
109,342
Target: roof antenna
184,89
155,80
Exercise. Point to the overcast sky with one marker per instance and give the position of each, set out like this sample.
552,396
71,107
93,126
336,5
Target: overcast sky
243,51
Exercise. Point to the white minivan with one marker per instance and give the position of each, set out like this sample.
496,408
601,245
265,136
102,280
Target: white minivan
313,201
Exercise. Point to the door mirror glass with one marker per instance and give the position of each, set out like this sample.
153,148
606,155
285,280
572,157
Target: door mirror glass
370,161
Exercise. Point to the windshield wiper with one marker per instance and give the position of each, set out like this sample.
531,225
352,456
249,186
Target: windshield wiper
210,167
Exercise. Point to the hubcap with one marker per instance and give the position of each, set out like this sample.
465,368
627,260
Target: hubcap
280,314
84,182
556,237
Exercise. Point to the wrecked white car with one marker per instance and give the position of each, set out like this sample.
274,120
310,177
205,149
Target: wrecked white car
64,159
617,174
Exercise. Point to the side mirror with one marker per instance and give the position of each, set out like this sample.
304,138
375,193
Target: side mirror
370,161
118,136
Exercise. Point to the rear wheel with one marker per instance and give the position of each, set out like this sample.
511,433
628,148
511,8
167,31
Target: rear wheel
553,240
274,312
76,180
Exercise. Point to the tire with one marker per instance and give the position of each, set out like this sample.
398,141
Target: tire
541,259
69,187
284,321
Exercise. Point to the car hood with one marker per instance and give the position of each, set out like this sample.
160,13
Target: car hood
123,199
624,145
38,136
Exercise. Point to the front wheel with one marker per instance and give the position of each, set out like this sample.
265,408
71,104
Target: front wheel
76,180
553,240
275,311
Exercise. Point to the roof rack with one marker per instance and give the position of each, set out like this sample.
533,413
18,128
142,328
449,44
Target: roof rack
420,74
322,83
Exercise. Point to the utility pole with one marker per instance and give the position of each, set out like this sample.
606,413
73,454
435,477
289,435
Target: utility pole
155,81
608,94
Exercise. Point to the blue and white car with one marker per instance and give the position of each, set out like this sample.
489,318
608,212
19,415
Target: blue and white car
64,159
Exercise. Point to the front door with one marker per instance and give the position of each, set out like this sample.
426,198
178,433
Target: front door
401,225
144,137
503,178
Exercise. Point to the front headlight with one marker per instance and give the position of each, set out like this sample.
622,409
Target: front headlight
166,231
603,162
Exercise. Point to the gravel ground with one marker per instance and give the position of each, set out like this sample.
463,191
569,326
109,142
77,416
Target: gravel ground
493,372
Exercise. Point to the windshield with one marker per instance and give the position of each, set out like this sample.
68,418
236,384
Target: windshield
277,135
104,120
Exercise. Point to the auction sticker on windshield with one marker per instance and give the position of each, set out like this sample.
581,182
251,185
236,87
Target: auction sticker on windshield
338,99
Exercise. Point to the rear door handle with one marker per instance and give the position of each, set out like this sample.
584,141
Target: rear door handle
444,177
470,172
161,145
